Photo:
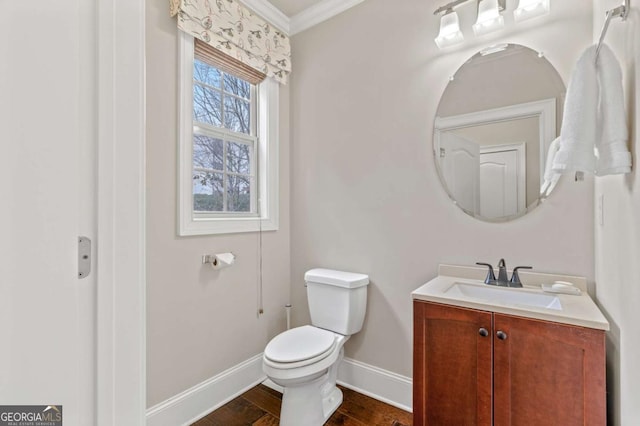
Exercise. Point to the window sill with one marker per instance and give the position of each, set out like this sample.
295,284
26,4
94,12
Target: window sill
214,226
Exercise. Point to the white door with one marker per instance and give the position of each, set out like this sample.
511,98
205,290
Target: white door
47,192
460,161
502,182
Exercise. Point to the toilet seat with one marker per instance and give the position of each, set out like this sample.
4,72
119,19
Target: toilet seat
299,347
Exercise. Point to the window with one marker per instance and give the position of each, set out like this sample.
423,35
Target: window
224,142
228,146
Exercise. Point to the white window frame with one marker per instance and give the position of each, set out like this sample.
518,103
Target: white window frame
266,152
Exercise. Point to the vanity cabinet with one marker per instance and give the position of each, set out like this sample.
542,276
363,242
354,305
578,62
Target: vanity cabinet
474,367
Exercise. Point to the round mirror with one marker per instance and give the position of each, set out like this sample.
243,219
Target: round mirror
496,119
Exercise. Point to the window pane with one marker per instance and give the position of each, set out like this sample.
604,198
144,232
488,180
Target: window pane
237,86
222,169
237,115
206,74
239,158
238,194
208,152
208,192
207,106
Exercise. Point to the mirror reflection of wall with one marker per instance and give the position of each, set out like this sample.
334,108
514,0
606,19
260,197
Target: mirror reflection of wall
508,104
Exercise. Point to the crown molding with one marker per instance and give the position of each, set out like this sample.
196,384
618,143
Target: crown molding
319,13
270,13
302,21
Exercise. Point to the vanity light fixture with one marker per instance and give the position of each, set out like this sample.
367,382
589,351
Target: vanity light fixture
528,9
450,33
489,17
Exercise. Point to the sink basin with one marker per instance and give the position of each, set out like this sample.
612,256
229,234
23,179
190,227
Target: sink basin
503,295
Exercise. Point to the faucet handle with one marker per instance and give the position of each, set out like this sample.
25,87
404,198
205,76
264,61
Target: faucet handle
491,278
515,278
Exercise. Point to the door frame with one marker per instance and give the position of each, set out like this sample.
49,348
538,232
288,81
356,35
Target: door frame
120,267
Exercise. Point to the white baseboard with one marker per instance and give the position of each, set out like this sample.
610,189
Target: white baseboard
268,383
377,383
192,404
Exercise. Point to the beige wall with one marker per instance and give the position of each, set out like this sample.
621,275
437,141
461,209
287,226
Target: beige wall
199,321
364,190
618,238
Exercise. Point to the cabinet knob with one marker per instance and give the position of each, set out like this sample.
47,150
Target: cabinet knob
501,335
483,332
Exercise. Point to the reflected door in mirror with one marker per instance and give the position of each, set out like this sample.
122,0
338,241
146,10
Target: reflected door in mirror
502,180
460,159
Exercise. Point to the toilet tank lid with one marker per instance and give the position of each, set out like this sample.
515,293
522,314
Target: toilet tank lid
337,278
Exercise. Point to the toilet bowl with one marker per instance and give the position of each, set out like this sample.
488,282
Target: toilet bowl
308,376
305,360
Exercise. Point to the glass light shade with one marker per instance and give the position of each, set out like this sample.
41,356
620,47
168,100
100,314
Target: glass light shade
450,33
489,17
528,9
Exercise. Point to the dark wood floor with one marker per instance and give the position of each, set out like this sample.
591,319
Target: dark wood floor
260,406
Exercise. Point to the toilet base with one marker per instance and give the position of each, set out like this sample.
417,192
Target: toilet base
309,405
331,402
312,403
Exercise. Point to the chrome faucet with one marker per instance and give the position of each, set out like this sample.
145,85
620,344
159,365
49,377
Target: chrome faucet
503,279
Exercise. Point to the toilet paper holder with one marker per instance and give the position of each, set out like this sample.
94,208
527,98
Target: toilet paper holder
219,260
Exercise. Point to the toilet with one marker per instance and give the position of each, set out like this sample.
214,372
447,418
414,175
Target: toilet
305,360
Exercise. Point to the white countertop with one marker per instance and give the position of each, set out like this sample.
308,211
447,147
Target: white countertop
576,310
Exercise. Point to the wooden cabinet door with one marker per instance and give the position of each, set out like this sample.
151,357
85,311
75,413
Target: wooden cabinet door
452,374
547,373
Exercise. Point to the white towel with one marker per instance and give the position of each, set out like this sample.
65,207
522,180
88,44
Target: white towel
613,154
594,134
578,132
551,177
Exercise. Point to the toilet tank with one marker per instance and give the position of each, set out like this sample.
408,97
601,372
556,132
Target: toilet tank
337,299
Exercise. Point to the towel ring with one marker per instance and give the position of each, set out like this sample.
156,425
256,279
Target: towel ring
619,12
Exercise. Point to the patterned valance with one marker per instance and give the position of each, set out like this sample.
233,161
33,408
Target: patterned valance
233,29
